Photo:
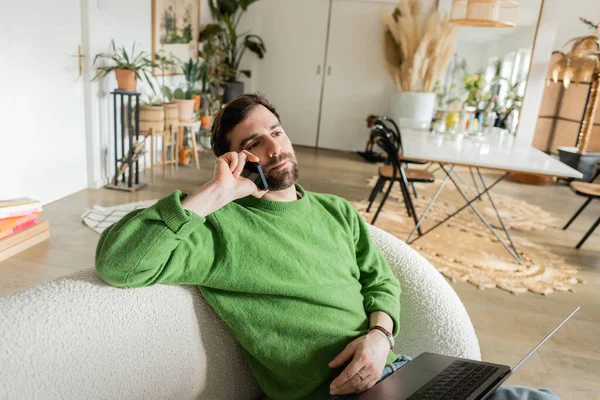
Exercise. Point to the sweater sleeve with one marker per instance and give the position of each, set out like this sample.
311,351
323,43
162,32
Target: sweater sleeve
380,288
163,243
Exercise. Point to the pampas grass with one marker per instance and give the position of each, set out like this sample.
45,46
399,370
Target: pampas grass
415,57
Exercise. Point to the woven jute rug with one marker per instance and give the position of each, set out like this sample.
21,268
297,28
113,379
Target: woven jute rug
464,250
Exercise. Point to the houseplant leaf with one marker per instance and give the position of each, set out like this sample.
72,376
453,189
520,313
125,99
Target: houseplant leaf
227,7
244,4
255,44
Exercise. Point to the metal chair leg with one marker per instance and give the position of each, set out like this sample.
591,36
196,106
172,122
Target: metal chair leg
588,201
374,192
410,207
405,197
412,184
387,193
592,229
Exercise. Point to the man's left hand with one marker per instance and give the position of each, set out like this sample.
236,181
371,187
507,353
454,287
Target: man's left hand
369,354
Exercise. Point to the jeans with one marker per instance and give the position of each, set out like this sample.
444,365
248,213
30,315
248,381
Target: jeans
502,393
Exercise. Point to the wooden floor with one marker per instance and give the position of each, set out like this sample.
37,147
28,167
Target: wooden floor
508,326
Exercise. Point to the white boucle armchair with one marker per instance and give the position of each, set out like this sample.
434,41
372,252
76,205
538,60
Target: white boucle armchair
79,338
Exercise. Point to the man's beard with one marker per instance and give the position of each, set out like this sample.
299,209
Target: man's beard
281,179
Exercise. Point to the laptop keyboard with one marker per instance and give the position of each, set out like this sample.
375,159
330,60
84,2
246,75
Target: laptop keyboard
458,381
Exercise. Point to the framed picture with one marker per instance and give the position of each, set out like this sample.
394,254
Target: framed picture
175,29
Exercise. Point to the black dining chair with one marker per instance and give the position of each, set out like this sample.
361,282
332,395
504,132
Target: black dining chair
394,172
394,129
591,191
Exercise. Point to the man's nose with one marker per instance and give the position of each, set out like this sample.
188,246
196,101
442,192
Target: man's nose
273,147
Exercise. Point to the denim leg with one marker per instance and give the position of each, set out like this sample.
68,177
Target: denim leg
394,366
522,393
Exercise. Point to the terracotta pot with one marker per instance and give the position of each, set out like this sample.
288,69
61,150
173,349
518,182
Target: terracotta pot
171,115
205,121
186,110
152,117
126,79
184,155
197,101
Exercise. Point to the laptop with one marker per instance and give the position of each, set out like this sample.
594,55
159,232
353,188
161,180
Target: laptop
434,376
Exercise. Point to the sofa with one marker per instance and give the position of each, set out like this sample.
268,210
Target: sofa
79,338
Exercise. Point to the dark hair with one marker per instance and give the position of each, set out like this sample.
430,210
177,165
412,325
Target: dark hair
231,115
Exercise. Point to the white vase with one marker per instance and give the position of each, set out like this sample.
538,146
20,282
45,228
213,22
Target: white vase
413,110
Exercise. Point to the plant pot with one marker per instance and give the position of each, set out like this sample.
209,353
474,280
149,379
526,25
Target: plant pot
233,89
171,115
186,110
184,155
197,101
152,117
205,141
413,110
585,163
126,79
205,121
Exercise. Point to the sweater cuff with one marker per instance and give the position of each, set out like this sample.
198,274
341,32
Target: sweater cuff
177,218
392,311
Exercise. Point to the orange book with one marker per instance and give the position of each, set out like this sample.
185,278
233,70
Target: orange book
6,223
20,241
15,229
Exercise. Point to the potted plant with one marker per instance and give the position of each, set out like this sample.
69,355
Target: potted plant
166,62
128,67
205,139
184,155
214,71
152,116
197,96
205,119
183,98
228,14
415,59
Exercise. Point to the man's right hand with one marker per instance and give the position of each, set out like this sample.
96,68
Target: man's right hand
226,186
228,171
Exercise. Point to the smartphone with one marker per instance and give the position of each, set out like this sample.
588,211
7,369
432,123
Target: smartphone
253,172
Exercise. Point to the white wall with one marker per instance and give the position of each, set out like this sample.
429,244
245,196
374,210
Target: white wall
520,38
473,54
42,146
569,25
540,60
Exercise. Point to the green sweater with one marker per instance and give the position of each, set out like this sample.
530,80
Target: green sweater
294,281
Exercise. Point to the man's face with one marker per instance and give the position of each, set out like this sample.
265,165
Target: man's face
262,135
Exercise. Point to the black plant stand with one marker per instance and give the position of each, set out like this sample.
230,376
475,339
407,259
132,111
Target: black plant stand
127,100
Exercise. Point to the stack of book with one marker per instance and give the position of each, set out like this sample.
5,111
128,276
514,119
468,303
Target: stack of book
19,226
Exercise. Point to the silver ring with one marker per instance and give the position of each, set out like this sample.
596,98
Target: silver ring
362,378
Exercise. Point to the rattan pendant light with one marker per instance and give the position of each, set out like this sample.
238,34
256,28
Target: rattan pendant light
485,13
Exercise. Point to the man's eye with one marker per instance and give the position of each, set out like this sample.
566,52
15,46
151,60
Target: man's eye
253,145
278,133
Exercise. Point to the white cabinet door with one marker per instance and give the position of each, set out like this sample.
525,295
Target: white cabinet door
356,83
291,73
43,140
